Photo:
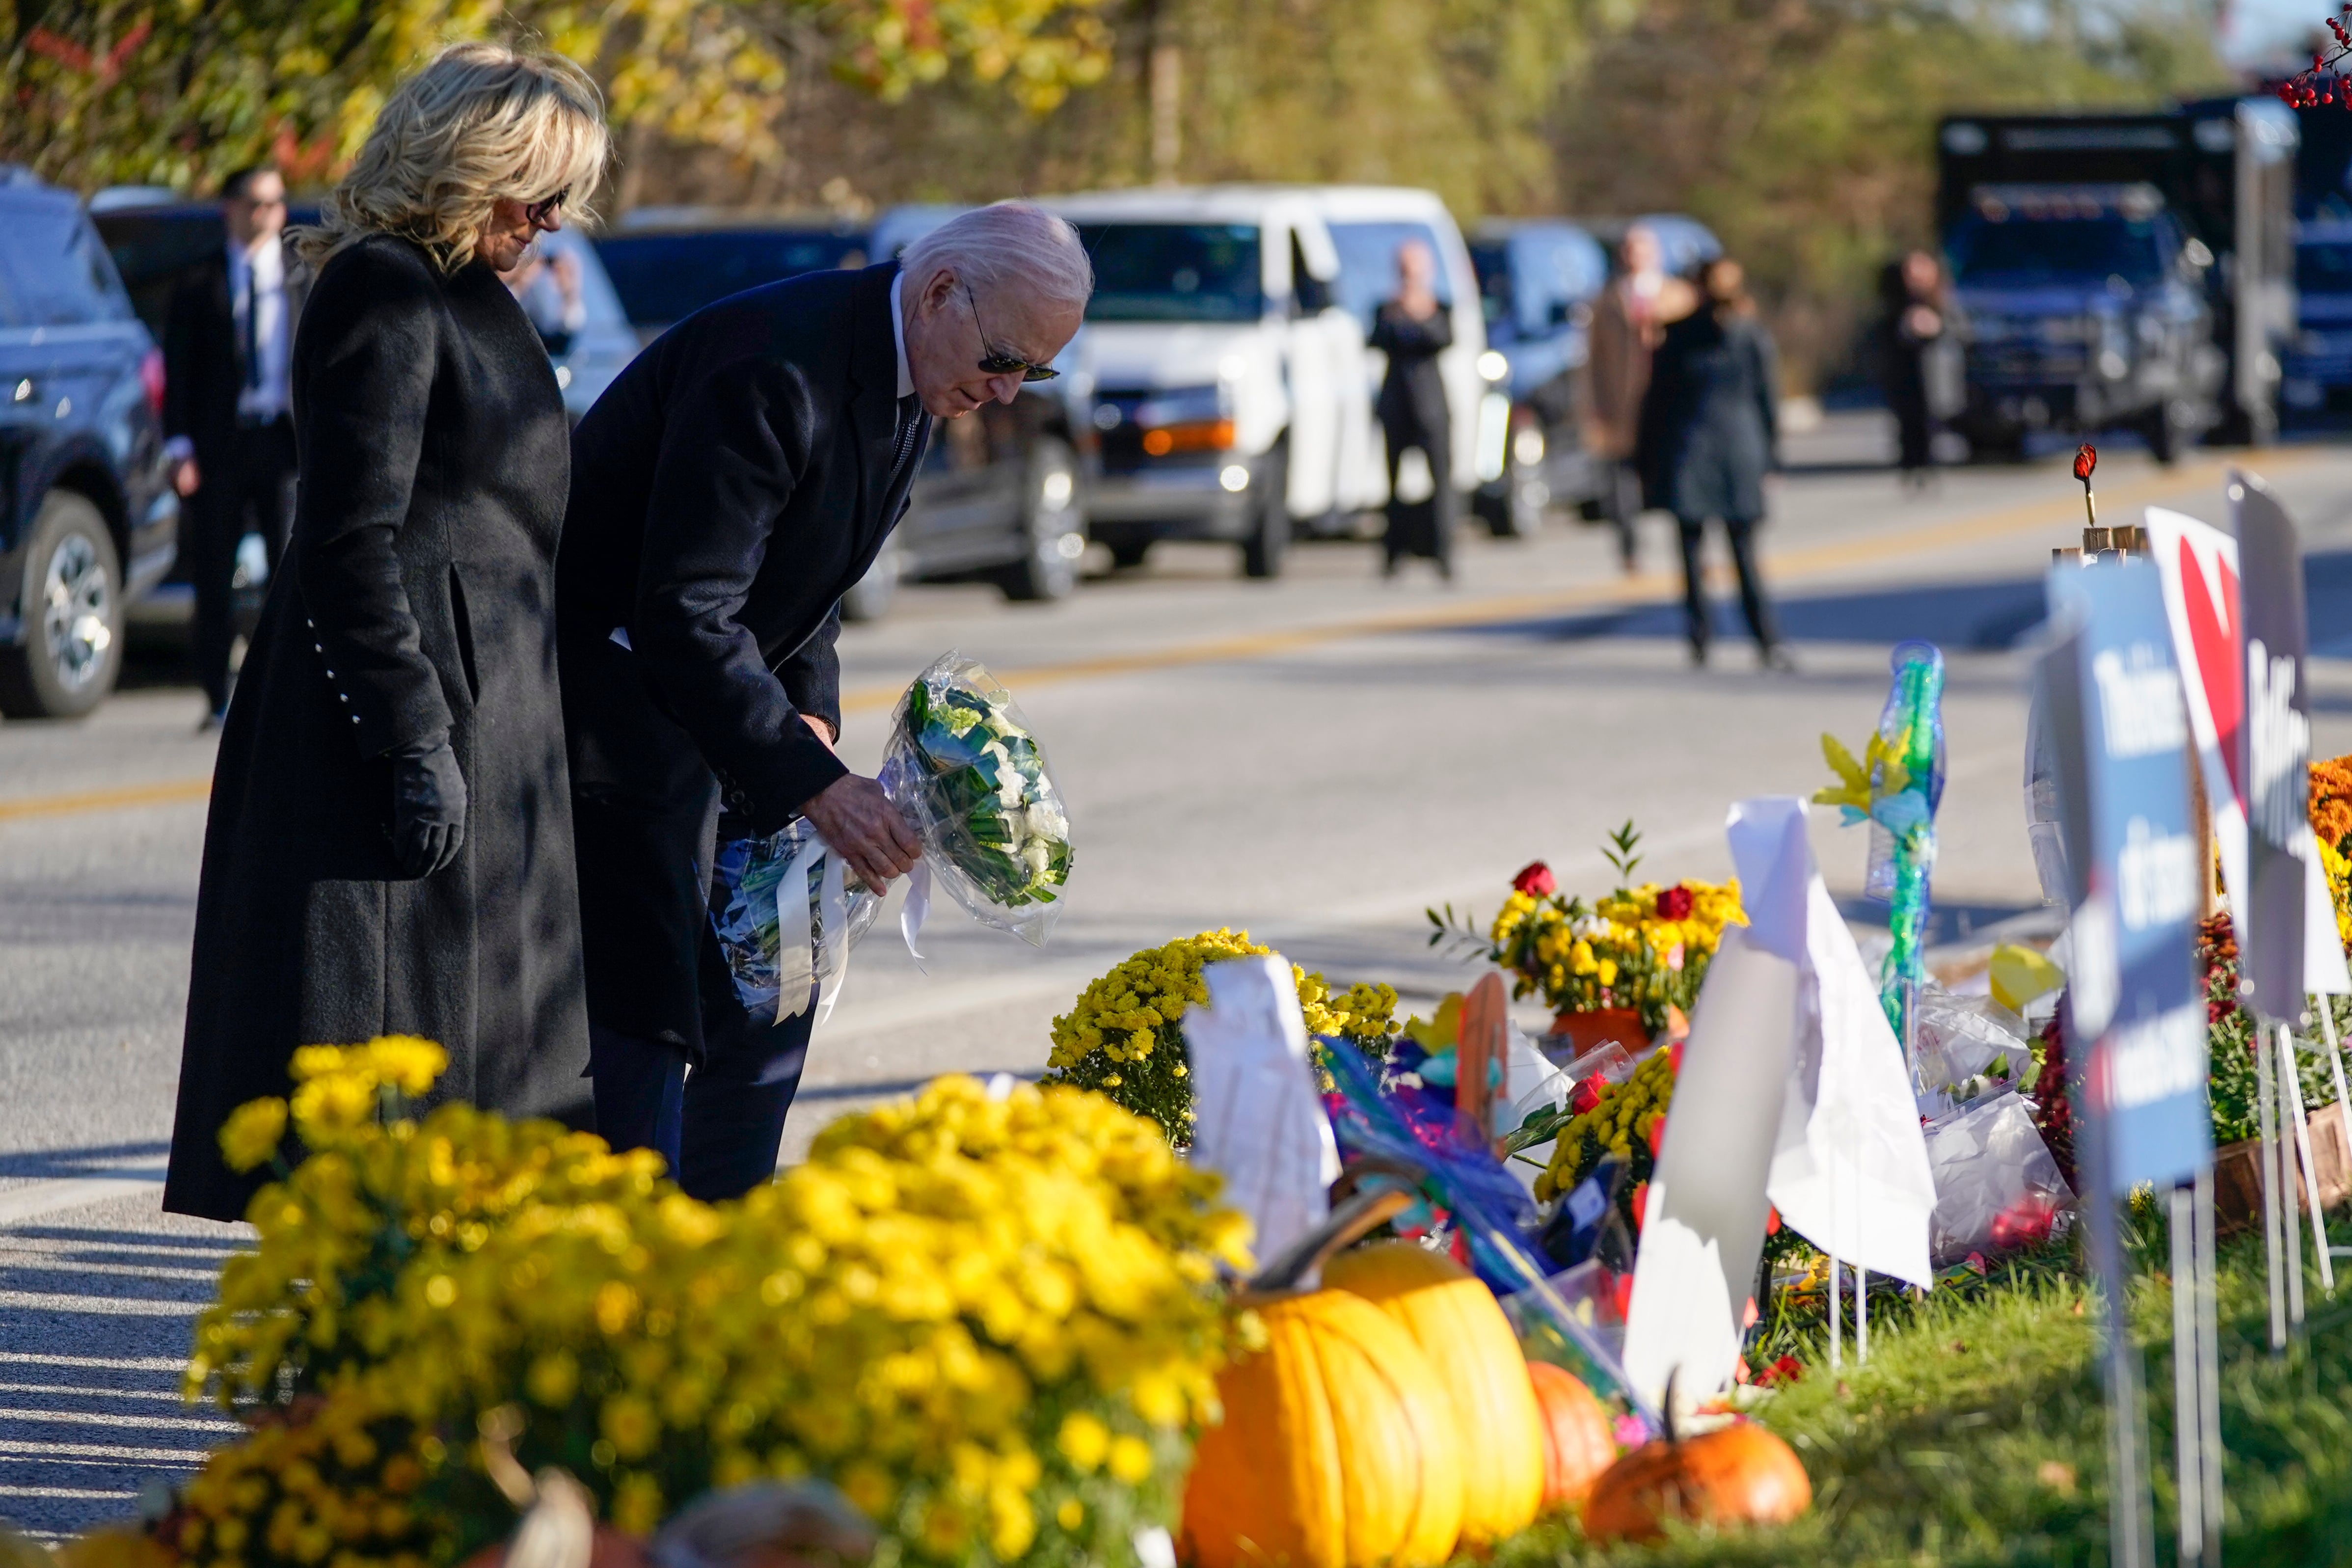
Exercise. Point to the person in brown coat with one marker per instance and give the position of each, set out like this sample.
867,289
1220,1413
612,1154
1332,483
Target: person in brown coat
1629,320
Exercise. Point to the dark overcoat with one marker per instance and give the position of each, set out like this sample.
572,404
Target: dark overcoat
418,599
1710,419
726,490
1412,406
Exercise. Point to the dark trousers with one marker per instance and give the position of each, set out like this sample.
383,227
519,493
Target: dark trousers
1620,503
721,1123
242,490
1421,528
1741,532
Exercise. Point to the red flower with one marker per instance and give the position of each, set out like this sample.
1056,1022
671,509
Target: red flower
1657,1136
2086,457
1788,1369
1535,879
1771,1221
1676,903
1640,1201
1586,1094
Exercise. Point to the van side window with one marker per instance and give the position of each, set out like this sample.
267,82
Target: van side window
1309,295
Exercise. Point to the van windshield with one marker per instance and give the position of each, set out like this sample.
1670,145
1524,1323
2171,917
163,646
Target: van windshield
1174,271
2024,253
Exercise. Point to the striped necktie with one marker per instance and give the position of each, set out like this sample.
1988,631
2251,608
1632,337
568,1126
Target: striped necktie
910,429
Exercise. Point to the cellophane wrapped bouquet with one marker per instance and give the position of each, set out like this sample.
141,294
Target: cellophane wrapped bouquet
973,780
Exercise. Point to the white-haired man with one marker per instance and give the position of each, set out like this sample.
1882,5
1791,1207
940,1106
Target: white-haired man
728,488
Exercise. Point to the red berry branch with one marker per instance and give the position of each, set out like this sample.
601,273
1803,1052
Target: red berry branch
2323,83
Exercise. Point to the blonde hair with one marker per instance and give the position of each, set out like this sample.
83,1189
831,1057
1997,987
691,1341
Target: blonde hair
480,122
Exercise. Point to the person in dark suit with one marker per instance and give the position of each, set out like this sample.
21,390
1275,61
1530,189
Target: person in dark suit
228,343
1412,330
727,488
1914,328
1710,434
389,846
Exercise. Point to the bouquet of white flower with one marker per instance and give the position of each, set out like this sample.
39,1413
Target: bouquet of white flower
963,766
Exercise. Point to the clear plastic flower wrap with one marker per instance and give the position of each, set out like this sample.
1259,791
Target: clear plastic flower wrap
971,778
786,954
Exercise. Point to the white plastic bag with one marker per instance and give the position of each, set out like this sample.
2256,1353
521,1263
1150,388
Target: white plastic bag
789,914
1997,1185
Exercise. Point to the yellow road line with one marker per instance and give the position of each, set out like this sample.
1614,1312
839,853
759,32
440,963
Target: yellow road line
2054,514
170,792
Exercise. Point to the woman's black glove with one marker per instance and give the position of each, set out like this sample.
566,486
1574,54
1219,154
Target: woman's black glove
428,808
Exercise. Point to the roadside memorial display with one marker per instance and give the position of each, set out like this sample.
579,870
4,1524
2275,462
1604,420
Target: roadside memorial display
1262,1275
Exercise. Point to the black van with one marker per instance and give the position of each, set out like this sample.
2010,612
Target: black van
89,521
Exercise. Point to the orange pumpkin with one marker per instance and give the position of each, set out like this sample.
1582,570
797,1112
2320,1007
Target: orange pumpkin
1461,1329
1579,1440
1740,1473
1339,1447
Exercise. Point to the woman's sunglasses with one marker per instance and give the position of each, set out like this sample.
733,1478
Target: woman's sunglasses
996,361
539,212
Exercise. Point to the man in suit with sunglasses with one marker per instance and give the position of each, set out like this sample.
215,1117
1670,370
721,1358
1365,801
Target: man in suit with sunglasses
728,488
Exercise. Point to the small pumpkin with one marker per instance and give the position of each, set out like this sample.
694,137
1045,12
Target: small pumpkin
1339,1446
1579,1440
1462,1331
1734,1474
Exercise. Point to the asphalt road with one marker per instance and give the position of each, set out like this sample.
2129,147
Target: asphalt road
1315,760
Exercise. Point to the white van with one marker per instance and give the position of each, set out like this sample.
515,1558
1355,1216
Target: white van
1367,224
1231,388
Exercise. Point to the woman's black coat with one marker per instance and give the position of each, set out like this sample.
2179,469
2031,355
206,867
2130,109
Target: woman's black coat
1412,405
416,599
1710,420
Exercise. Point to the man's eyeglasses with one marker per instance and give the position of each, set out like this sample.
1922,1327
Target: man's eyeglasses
539,212
996,361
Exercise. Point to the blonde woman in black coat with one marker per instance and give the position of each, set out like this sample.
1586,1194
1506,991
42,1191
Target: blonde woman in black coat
389,849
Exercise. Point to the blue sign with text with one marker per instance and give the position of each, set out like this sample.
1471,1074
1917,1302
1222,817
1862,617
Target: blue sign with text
2132,992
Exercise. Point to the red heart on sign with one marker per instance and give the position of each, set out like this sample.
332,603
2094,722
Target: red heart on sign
2214,637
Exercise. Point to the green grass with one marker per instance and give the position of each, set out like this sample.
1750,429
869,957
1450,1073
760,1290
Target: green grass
1976,1434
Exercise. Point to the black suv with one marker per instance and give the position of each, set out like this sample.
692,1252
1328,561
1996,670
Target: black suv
999,496
88,519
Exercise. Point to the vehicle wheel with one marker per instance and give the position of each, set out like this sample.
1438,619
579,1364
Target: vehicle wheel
1269,536
73,616
1129,553
1052,529
871,599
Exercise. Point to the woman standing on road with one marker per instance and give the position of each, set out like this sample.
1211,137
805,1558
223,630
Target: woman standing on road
1711,432
389,850
1412,330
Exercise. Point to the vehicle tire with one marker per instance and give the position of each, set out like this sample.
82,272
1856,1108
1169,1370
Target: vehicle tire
73,615
871,598
1129,553
1052,530
1269,535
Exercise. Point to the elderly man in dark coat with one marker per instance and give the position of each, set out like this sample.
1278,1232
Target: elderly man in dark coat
727,488
389,845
